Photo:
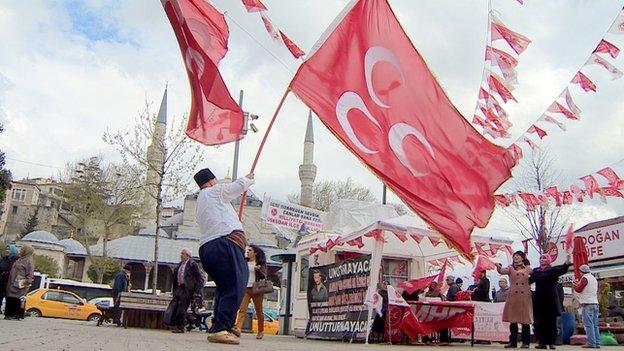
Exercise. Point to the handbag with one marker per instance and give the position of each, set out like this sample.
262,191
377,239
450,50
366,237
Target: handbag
262,287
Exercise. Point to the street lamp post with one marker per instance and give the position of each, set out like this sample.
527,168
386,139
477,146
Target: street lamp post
246,125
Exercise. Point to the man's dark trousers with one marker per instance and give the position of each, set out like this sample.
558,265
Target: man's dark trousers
225,263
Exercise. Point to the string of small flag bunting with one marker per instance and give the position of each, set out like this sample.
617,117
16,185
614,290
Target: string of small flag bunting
588,186
256,6
489,113
564,104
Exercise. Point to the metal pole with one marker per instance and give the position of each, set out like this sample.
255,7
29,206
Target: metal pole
237,143
383,195
288,298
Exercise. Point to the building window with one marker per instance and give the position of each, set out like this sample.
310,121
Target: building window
395,271
303,274
19,194
14,210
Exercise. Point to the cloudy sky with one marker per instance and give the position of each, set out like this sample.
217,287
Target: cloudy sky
70,70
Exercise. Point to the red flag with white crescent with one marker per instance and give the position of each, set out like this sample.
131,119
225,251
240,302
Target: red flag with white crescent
550,119
591,185
537,130
609,174
606,47
202,34
254,5
615,72
618,25
584,82
517,41
556,107
570,102
496,84
269,26
292,47
372,89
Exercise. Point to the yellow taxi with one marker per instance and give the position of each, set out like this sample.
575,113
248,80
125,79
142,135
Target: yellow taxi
60,304
271,325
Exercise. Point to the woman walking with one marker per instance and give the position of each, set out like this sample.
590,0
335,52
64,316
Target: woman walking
256,262
545,278
518,307
21,277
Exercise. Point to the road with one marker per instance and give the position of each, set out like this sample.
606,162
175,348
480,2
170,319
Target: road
58,334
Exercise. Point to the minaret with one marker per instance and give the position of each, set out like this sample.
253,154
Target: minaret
155,158
307,170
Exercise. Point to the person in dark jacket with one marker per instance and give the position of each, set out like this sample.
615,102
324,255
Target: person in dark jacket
546,278
453,289
188,283
482,290
256,264
561,296
5,269
120,284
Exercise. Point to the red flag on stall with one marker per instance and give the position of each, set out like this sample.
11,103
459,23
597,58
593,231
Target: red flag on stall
202,34
292,47
442,273
254,5
417,284
606,47
584,82
579,256
372,89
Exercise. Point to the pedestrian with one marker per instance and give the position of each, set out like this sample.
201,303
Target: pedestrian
188,283
8,257
434,291
481,292
561,296
587,290
120,284
501,294
453,288
21,277
222,249
518,307
257,267
546,278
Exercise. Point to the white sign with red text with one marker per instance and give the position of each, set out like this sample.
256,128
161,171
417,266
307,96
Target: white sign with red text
488,323
305,220
602,243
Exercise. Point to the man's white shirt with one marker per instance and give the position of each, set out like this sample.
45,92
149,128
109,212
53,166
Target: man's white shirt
214,212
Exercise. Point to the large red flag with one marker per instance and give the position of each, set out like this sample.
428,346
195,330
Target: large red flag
202,33
372,89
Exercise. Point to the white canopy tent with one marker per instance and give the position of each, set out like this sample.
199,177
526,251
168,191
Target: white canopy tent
403,236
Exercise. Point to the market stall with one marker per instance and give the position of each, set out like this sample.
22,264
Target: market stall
348,264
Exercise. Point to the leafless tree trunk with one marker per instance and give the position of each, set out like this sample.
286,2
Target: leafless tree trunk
546,223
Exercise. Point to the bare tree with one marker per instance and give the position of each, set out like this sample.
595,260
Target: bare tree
100,197
166,169
546,223
327,192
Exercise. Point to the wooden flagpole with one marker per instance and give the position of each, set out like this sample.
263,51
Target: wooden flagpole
255,162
